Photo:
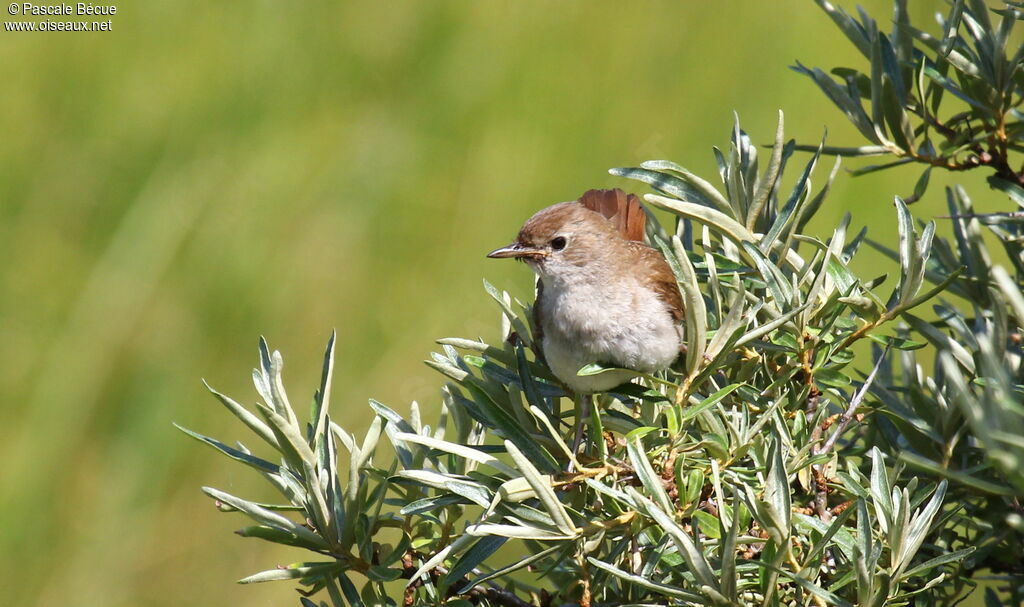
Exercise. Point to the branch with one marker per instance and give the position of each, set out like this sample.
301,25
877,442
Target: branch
820,480
855,402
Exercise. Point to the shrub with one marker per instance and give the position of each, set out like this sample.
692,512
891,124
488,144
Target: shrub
773,467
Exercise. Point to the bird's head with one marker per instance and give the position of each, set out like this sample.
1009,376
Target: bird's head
562,237
569,236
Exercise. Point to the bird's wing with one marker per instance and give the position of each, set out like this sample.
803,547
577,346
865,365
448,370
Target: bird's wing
662,280
622,209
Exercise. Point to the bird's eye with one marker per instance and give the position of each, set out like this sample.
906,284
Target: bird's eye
558,243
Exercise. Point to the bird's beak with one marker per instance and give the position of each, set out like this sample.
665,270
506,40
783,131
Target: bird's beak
517,250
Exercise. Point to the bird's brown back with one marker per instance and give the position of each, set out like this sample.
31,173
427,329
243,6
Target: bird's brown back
626,213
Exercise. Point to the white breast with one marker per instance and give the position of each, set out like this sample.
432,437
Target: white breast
587,322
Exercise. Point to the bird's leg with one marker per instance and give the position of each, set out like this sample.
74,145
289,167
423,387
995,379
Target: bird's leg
582,402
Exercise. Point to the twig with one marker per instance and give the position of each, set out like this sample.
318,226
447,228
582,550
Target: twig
820,479
858,397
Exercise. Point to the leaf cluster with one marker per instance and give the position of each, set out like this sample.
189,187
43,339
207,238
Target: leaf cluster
948,100
772,465
742,477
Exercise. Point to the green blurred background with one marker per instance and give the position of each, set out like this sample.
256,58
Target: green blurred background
209,172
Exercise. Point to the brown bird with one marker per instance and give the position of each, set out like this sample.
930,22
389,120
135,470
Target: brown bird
603,295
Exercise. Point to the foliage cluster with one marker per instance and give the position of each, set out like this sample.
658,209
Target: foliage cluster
774,467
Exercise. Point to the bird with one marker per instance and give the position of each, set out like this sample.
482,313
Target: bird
603,295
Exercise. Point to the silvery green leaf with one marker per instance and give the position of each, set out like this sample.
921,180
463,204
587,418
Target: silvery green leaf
790,209
778,286
459,450
694,558
472,558
474,492
347,440
767,328
732,323
323,396
909,260
847,152
720,222
942,559
278,536
865,556
510,428
919,526
672,185
429,504
694,410
771,176
704,187
247,417
849,104
514,566
598,369
280,403
521,532
448,369
924,249
262,375
543,490
428,478
728,552
777,492
287,439
643,582
942,341
369,443
898,343
922,184
952,23
519,489
531,388
504,301
830,597
880,488
1010,290
292,572
874,168
394,426
555,436
848,25
464,344
899,525
843,538
951,86
461,543
693,302
266,517
808,210
611,492
260,464
645,472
